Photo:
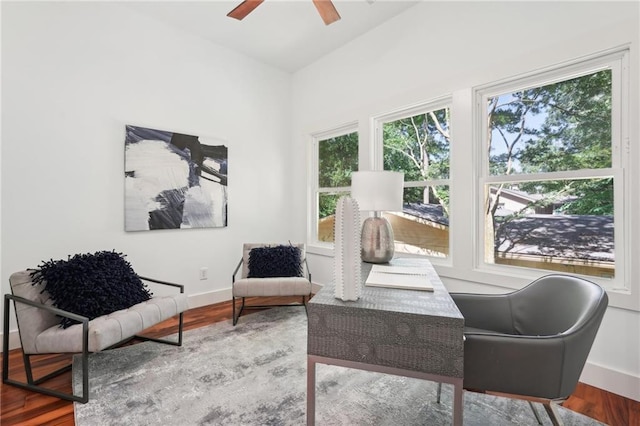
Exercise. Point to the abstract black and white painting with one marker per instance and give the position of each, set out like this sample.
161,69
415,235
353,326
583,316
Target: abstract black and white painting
173,180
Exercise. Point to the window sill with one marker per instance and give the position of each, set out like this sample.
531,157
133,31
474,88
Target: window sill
320,249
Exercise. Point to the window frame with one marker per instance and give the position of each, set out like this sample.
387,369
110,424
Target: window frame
314,170
377,123
616,60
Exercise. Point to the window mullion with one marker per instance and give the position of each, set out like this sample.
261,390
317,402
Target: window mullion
535,177
429,182
336,189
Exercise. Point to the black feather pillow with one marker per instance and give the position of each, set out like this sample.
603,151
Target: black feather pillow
277,261
91,285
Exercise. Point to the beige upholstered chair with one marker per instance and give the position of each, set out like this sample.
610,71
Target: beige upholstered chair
40,332
247,286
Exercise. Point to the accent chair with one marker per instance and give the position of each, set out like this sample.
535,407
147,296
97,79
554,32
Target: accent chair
270,270
531,343
41,333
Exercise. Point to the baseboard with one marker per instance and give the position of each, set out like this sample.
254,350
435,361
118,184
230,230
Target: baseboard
209,298
618,382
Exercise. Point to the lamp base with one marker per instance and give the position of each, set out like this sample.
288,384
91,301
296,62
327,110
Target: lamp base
377,240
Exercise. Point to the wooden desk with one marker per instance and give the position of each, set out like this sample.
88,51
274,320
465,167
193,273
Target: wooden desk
395,331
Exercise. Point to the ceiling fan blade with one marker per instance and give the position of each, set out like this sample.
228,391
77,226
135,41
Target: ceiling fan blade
243,9
327,11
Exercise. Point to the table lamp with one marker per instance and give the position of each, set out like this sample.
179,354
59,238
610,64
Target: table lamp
377,191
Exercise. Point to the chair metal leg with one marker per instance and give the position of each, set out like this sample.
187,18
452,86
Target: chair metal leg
26,359
165,341
439,393
177,342
550,405
5,340
243,306
33,385
553,413
180,326
535,412
233,309
236,317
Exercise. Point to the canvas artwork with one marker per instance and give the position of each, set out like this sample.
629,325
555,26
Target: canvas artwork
173,180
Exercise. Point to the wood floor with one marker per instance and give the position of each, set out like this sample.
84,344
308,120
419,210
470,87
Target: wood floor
28,408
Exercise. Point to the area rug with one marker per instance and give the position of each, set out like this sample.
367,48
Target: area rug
255,374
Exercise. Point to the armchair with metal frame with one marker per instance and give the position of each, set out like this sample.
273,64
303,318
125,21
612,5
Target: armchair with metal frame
245,286
40,332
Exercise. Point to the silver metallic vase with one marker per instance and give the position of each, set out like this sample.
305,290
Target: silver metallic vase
377,240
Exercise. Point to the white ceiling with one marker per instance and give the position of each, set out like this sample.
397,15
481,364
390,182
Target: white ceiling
287,34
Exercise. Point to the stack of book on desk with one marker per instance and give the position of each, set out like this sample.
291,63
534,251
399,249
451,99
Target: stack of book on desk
404,277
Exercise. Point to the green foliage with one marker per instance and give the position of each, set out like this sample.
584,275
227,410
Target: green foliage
558,127
596,198
327,204
419,147
338,157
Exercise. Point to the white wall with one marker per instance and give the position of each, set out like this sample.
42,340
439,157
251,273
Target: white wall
437,49
73,74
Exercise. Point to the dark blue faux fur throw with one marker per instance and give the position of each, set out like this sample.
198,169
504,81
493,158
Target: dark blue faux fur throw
277,261
91,285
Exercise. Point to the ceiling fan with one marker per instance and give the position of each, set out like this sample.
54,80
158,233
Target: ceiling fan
326,9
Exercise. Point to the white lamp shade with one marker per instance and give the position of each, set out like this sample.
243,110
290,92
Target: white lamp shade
378,190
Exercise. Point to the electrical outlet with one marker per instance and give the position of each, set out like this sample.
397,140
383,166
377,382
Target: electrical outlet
204,272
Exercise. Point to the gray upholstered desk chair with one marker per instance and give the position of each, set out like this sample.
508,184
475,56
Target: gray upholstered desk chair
532,343
278,270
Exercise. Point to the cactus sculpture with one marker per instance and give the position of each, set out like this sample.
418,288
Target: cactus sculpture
347,256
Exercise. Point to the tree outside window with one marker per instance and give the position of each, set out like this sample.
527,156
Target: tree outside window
337,159
418,145
549,184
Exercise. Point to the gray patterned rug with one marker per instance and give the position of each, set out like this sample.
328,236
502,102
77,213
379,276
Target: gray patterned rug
255,374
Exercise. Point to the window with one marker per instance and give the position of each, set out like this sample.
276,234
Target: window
551,178
337,157
416,141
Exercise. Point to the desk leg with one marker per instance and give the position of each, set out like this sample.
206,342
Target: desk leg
458,403
311,392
